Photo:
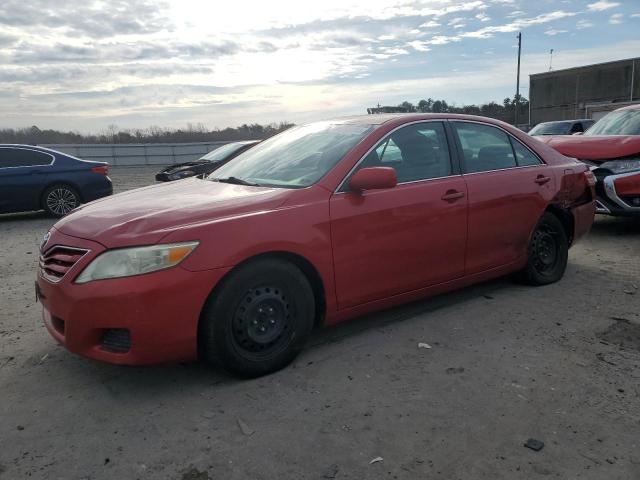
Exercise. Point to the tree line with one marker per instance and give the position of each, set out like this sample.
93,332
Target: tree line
199,133
113,134
505,111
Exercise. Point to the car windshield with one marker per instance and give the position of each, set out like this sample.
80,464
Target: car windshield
550,128
221,153
619,122
296,158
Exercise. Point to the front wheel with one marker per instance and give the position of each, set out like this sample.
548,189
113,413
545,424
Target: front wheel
59,200
259,319
548,252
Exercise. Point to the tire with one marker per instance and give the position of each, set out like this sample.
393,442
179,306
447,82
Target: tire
58,200
548,252
259,319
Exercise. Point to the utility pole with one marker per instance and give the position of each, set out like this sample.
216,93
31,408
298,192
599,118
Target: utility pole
551,59
517,102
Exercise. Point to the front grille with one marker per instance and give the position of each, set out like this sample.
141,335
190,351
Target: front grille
56,262
116,340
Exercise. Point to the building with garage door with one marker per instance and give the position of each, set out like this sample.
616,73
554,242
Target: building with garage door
584,92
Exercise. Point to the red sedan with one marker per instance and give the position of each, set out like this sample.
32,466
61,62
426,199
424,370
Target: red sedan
314,226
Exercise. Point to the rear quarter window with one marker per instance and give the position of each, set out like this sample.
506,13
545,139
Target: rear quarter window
524,156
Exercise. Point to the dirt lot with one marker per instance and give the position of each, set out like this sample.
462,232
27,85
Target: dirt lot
560,364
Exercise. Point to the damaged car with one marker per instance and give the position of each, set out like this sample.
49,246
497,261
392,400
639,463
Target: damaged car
317,225
611,148
206,164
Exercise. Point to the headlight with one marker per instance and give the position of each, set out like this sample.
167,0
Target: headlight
622,166
125,262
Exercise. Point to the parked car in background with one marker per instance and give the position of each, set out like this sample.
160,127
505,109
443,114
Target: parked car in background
314,226
564,127
207,164
612,149
36,178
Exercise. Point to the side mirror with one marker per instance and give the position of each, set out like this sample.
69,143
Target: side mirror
373,178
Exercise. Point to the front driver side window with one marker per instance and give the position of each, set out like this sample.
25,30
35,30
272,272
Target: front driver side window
417,152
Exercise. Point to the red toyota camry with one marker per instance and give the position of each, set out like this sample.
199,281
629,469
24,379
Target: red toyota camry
316,225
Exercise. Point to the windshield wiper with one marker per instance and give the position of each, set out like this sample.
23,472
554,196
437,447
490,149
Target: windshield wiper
237,181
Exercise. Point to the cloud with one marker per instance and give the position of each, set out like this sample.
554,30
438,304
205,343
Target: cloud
602,5
518,24
553,32
419,46
7,40
616,19
91,18
160,61
582,24
92,53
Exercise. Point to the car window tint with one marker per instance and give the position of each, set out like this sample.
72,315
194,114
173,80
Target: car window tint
21,157
524,156
576,127
484,147
416,152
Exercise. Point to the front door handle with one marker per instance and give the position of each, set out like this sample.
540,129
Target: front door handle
541,179
452,196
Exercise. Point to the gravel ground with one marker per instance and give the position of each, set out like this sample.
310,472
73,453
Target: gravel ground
506,363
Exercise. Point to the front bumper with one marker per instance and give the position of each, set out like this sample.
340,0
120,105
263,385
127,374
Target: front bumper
618,194
145,319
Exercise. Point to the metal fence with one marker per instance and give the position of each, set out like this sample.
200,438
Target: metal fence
130,154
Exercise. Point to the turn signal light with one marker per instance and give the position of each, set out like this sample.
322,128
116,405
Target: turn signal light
176,254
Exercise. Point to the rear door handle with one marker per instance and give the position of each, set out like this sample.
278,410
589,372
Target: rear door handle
541,179
452,196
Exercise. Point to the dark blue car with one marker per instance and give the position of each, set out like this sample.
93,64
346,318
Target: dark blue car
36,178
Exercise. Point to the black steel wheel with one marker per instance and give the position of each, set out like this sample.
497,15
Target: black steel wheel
59,200
259,318
548,252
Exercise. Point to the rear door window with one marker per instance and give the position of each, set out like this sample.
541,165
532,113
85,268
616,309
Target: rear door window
484,148
23,157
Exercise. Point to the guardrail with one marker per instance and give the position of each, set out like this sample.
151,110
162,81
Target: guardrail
132,154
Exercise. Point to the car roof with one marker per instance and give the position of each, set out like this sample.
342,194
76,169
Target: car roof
32,147
630,107
568,121
382,118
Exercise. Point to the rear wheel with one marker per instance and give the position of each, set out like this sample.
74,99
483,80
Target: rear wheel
260,318
548,252
59,200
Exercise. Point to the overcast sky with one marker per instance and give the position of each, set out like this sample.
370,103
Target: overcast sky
68,64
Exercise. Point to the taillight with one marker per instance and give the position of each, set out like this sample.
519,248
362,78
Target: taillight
102,169
590,178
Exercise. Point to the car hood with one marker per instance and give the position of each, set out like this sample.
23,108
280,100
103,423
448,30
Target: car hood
181,166
145,215
595,148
